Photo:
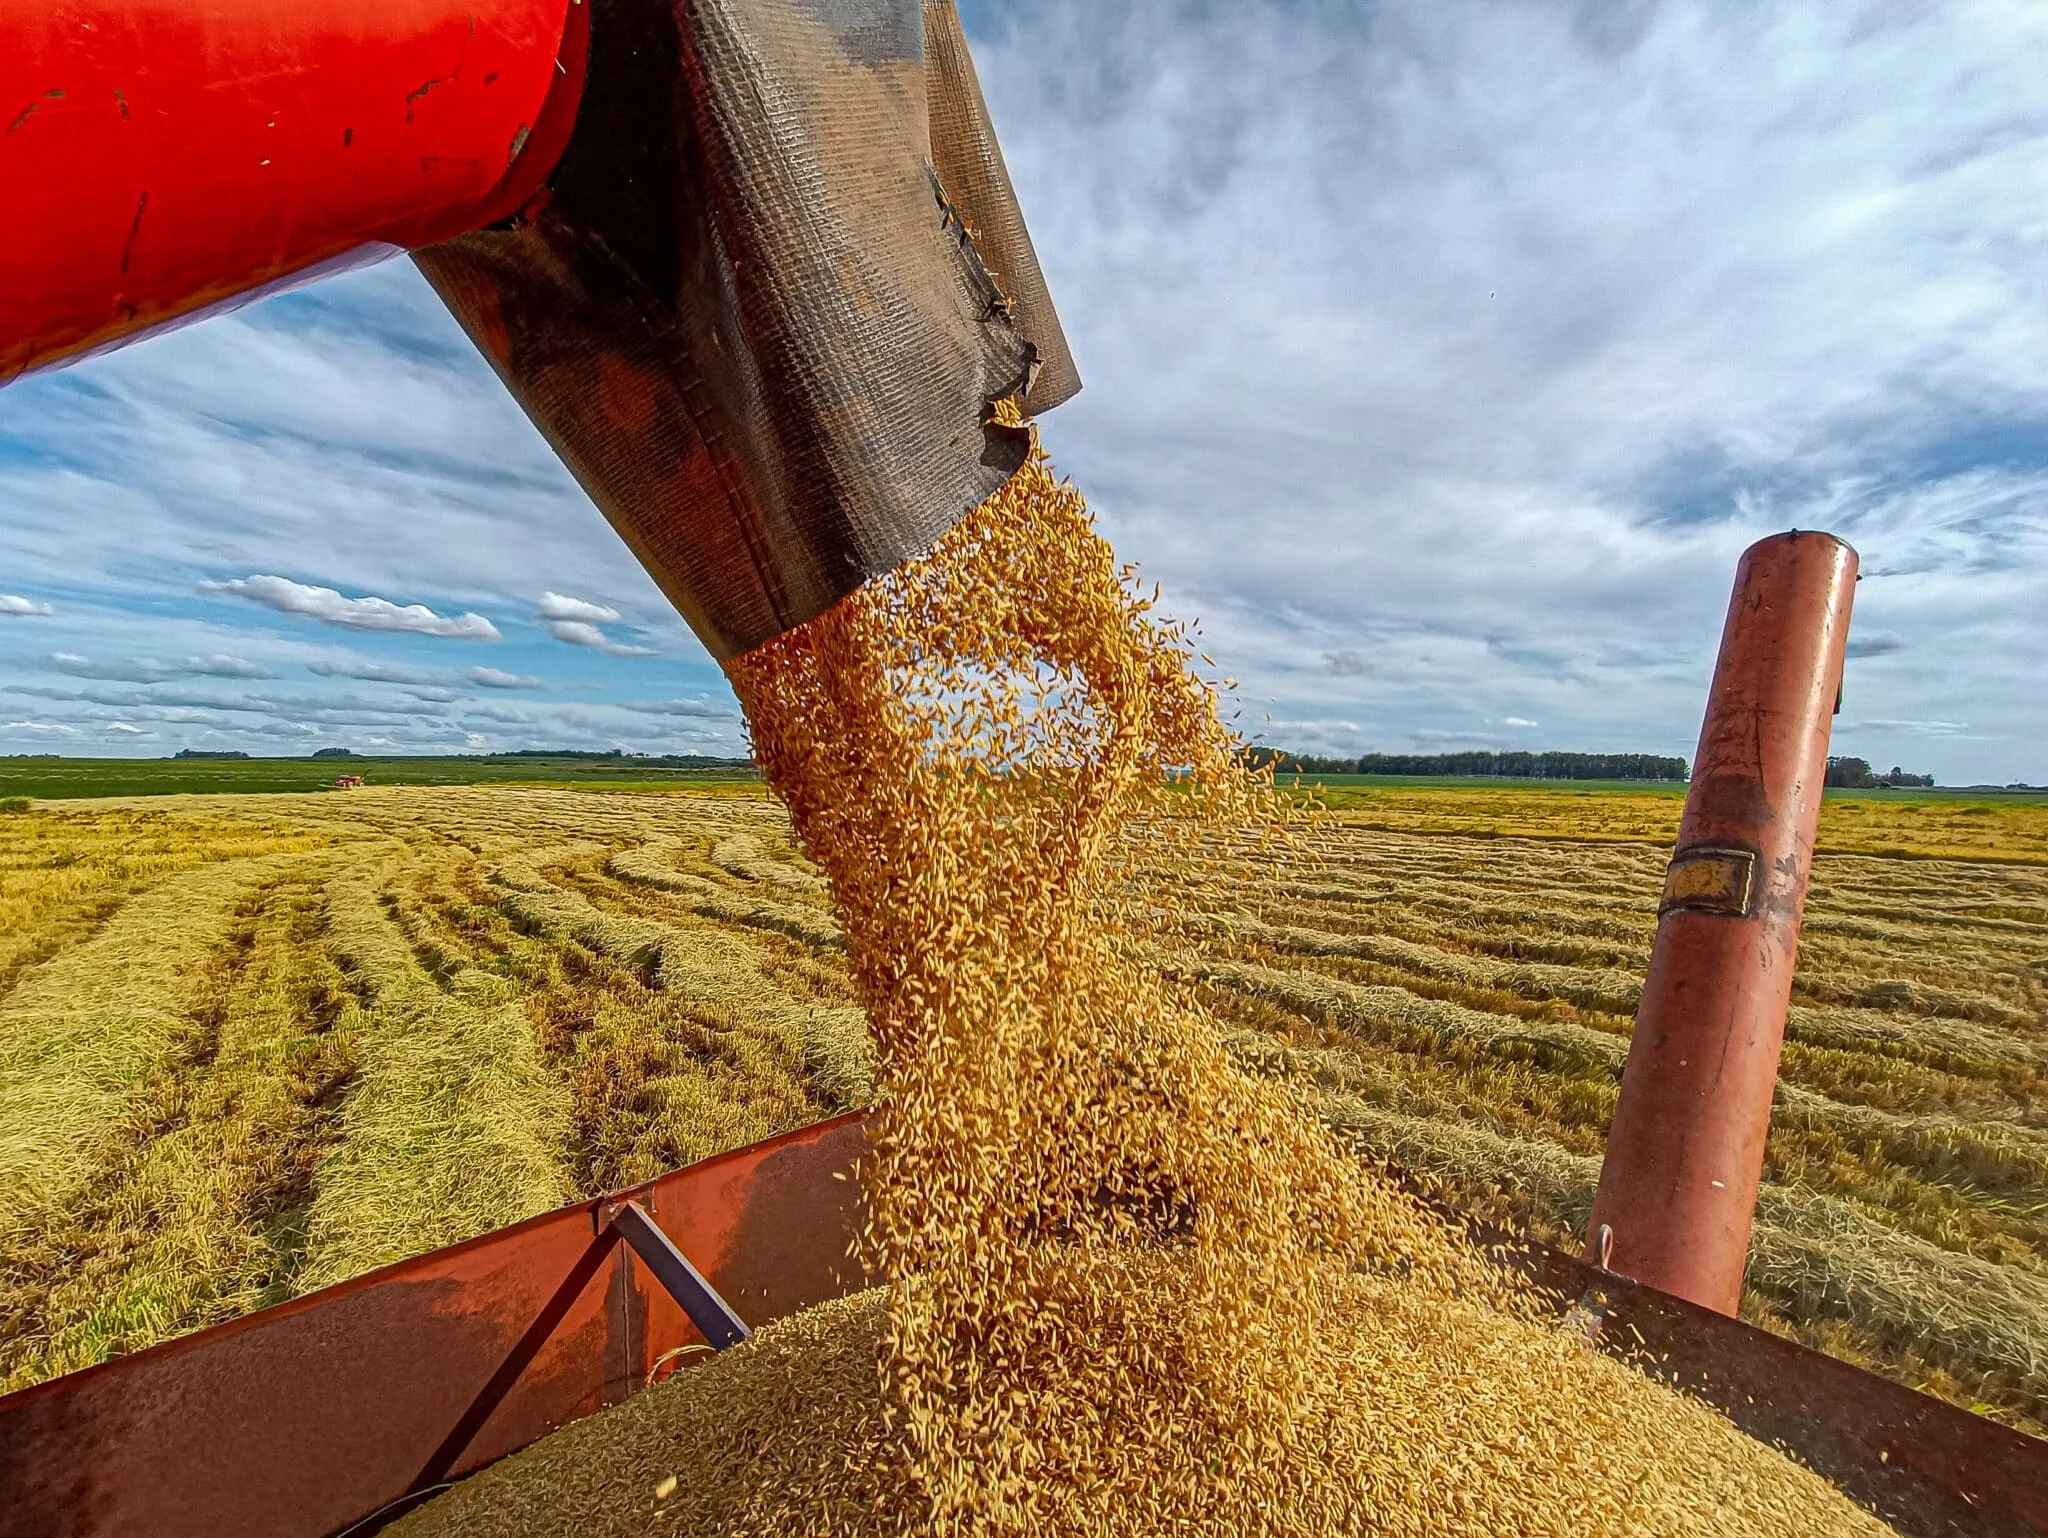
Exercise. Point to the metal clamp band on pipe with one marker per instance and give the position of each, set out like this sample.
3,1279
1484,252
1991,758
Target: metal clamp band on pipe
1685,1155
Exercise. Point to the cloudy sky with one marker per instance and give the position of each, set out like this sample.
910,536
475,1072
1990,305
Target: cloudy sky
1441,357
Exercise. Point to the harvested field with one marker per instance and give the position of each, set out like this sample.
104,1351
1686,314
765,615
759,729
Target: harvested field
1461,1003
252,1044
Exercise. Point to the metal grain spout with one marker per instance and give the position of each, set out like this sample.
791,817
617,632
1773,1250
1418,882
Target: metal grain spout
1685,1155
755,268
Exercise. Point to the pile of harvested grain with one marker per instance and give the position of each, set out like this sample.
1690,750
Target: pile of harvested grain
1132,1289
1451,1425
739,1450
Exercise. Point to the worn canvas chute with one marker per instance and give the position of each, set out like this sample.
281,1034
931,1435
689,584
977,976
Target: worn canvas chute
768,296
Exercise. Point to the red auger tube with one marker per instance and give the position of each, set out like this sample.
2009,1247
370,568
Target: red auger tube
163,158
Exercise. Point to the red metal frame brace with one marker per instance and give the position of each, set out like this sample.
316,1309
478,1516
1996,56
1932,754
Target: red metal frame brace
323,1413
713,1317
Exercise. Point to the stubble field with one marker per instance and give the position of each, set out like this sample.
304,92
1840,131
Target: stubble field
251,1045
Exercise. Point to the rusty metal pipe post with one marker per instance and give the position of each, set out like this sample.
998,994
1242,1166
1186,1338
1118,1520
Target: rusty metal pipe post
1685,1155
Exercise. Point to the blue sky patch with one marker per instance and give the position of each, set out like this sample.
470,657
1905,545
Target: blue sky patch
1440,360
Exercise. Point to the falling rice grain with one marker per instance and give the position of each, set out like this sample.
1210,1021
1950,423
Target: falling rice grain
1129,1287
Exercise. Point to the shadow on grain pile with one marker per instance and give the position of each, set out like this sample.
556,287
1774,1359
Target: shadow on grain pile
1130,1288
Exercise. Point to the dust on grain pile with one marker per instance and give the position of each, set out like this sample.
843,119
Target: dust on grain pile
1131,1289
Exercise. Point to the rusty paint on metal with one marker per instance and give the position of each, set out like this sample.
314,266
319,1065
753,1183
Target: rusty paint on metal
1930,1469
29,111
1685,1155
269,140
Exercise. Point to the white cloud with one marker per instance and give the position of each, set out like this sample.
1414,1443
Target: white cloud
15,604
369,613
1910,728
520,715
498,678
1520,721
148,670
375,672
576,633
703,709
123,726
430,682
558,606
653,726
185,703
575,622
221,666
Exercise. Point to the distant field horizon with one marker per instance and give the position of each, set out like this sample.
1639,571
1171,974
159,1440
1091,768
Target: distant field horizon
62,779
53,777
2005,795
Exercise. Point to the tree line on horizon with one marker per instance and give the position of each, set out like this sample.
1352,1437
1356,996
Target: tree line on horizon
1511,766
1842,772
1856,774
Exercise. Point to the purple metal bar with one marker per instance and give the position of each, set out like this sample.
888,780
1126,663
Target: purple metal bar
711,1314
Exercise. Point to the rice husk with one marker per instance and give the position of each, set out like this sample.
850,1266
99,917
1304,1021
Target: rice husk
1129,1287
